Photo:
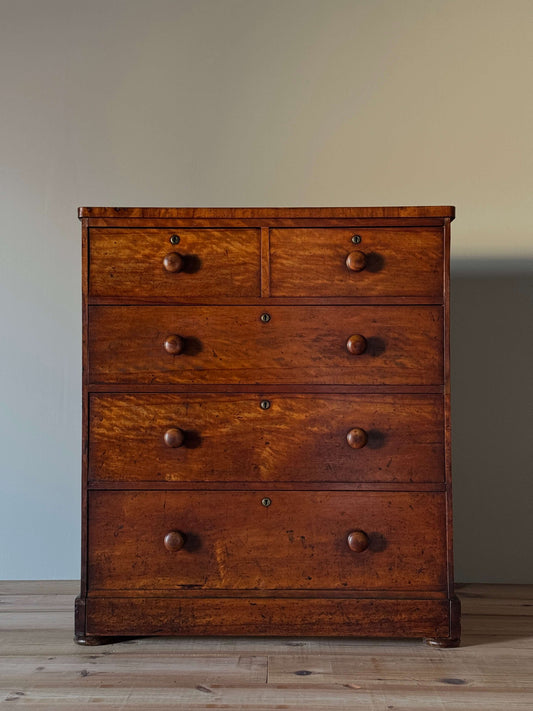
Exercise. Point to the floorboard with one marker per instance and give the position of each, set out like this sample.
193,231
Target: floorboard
41,667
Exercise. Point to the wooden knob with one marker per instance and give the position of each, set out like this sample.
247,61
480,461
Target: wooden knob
356,261
356,344
173,262
174,344
174,437
358,541
357,438
174,541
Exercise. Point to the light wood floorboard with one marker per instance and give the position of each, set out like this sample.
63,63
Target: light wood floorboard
41,666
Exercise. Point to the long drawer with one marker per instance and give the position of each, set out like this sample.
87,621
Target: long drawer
266,437
357,262
368,345
147,541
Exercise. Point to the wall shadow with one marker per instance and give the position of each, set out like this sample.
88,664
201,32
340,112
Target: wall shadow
492,421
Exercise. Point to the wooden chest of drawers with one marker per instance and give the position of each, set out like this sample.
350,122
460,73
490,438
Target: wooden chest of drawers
266,445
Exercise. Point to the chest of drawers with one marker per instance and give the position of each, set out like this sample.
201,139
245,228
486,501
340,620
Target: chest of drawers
266,429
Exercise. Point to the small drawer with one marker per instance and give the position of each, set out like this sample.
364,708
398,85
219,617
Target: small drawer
357,262
274,437
180,263
153,540
362,345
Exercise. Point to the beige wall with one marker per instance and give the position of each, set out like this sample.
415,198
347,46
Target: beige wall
265,102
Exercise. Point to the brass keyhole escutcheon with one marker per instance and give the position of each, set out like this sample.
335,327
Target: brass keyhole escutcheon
266,501
264,404
356,239
265,318
175,239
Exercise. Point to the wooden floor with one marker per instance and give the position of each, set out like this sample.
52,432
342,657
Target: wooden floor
40,665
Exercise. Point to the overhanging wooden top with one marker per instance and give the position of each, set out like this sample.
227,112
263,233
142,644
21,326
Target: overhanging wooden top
267,212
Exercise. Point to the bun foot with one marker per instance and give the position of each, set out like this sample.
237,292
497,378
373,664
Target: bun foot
443,641
90,640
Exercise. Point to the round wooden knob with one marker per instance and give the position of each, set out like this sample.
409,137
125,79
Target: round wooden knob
358,541
357,438
173,262
356,261
174,344
356,344
174,437
174,541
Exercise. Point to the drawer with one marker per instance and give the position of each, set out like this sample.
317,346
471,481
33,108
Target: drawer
385,262
209,263
294,344
230,437
300,541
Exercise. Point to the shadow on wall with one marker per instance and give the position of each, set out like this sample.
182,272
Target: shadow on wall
492,421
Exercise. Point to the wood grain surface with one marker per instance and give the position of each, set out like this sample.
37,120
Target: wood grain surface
235,213
266,423
300,616
229,437
398,262
130,262
298,345
41,666
233,541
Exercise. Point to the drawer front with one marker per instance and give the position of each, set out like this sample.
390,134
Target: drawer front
144,263
385,262
304,438
233,541
297,344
